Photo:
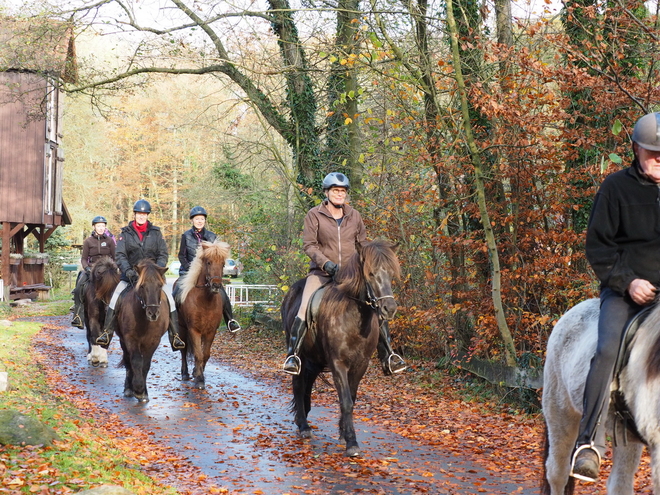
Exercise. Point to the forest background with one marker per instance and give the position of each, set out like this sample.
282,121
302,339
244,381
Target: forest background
474,134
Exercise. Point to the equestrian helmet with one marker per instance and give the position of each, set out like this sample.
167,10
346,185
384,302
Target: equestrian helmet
646,132
99,219
142,206
197,210
335,179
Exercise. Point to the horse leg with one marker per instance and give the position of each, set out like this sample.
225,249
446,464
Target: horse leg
302,385
195,339
346,427
185,375
207,342
562,423
138,383
625,460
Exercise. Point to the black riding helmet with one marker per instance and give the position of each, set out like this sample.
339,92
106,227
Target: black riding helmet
197,210
99,219
142,206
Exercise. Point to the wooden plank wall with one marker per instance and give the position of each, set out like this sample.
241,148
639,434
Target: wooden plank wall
22,147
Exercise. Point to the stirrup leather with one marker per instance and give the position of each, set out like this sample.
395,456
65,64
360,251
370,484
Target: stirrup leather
389,363
586,446
298,363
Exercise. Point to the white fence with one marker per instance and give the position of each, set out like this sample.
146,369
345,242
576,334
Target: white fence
249,295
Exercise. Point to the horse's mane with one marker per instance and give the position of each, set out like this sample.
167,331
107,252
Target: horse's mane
215,252
377,253
104,277
148,270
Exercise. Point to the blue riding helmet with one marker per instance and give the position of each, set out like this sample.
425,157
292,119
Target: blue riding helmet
142,206
99,219
197,210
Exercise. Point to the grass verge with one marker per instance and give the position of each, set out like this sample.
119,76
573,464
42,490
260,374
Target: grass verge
86,456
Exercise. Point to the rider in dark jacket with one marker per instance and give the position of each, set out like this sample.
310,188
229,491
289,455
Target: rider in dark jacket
622,247
190,240
100,243
139,240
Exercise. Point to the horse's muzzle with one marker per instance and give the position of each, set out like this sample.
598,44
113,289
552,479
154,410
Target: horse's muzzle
387,308
152,315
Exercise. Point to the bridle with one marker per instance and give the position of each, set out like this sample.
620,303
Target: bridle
210,281
372,300
143,303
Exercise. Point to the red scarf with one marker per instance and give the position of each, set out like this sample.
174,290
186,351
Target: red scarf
140,229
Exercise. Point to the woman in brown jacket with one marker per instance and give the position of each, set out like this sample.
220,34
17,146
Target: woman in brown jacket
100,243
330,234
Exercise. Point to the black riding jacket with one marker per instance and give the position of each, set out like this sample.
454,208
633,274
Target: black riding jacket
188,248
131,250
623,235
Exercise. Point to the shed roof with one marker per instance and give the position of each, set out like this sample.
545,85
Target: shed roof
38,45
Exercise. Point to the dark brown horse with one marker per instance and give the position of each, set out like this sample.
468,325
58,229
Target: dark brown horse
343,336
200,306
142,320
103,278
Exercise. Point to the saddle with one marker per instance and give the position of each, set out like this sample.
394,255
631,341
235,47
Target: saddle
313,310
623,419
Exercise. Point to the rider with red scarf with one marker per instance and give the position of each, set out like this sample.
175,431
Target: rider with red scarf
139,240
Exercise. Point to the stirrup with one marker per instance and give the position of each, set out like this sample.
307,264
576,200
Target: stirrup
231,324
177,343
389,363
77,321
103,339
298,365
580,477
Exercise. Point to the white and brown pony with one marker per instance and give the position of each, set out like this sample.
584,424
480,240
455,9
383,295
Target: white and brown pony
571,346
199,302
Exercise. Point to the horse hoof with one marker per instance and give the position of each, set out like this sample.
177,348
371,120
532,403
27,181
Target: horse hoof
95,364
353,451
200,386
143,400
103,365
185,378
128,393
306,433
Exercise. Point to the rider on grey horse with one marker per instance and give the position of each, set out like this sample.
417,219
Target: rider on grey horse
622,247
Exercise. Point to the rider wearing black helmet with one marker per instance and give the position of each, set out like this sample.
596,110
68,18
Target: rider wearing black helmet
137,241
100,243
622,247
330,234
190,240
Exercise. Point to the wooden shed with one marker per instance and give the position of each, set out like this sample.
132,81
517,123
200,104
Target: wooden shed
36,56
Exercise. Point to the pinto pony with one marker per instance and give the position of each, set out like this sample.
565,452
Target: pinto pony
343,336
199,304
571,346
142,320
103,278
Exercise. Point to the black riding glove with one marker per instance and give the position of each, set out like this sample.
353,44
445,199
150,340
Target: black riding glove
88,269
330,268
132,276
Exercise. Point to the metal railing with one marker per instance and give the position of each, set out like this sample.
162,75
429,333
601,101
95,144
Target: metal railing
249,295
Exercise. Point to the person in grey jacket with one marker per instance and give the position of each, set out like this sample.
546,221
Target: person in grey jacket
139,240
190,240
622,246
330,234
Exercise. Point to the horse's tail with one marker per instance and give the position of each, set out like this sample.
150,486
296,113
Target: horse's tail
545,485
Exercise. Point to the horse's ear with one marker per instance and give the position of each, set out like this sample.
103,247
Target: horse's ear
395,247
138,268
162,270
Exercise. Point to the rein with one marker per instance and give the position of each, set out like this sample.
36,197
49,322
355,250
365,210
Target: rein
371,300
209,282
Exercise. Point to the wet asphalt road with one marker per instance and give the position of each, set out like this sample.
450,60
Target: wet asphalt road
240,433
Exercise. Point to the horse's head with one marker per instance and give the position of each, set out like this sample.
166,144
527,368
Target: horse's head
149,287
380,266
212,257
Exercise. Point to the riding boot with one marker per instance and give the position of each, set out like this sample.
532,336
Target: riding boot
108,329
292,362
390,361
173,332
232,325
77,320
